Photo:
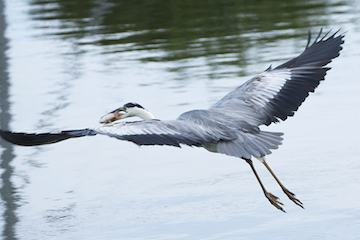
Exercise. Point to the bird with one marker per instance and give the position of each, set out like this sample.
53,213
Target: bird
231,126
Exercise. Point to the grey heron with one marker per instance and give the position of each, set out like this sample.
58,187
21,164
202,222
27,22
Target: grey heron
231,125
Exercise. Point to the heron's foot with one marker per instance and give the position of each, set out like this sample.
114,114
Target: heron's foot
274,200
293,198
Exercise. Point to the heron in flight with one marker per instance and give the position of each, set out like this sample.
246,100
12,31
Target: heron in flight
231,125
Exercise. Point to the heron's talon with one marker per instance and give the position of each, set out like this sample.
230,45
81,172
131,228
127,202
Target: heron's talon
292,197
274,201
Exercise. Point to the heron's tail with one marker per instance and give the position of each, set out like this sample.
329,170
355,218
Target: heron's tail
34,139
250,144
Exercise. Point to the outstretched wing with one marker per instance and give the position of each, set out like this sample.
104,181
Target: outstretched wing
149,132
156,132
277,93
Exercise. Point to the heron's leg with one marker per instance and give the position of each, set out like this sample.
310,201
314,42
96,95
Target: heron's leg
273,199
286,191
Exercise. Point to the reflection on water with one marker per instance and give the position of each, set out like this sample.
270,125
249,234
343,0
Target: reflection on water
180,29
68,60
8,193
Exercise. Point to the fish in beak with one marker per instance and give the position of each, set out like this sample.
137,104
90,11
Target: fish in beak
112,116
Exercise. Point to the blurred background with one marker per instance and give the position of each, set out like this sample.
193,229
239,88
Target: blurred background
63,64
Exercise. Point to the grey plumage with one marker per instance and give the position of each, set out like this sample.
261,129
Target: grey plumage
231,125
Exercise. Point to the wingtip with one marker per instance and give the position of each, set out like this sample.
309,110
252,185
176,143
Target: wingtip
33,139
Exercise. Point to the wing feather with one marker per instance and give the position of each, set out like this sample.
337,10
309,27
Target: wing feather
277,93
148,132
156,132
34,139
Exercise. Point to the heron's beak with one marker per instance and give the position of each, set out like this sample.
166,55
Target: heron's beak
112,116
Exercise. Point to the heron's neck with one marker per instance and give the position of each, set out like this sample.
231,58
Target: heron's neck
143,114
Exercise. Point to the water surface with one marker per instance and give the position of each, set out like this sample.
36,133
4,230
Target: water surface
65,63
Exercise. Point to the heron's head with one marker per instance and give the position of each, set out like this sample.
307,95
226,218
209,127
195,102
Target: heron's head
128,110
